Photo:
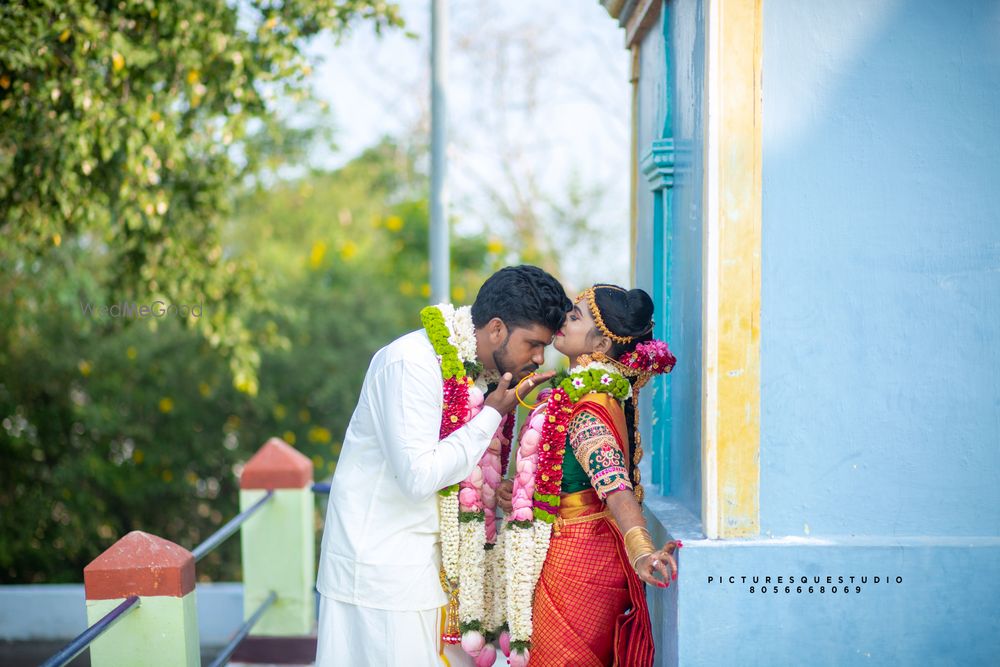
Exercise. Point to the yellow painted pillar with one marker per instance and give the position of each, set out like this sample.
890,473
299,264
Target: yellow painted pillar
731,288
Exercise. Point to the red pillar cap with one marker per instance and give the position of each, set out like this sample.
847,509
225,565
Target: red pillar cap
140,564
277,465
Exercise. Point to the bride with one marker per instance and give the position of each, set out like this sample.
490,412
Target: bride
577,550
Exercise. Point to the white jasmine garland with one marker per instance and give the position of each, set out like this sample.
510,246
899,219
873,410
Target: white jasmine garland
448,511
515,546
447,312
487,589
540,539
520,552
463,333
471,569
499,582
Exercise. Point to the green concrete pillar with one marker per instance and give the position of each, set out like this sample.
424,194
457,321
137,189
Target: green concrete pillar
163,630
278,542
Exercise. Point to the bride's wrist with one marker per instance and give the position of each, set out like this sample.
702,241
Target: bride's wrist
638,543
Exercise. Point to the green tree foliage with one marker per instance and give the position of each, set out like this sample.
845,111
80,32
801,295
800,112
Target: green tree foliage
107,429
127,126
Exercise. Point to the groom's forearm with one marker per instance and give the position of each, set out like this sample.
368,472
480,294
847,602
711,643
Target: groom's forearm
422,469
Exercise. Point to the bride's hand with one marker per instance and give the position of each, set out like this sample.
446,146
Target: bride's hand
648,566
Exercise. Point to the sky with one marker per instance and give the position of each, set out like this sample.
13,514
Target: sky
538,104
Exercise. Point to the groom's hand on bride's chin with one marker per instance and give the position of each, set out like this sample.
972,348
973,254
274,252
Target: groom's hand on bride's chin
503,399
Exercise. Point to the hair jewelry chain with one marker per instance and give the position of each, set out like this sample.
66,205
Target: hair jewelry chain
588,294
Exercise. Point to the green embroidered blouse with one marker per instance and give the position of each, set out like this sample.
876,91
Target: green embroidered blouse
593,458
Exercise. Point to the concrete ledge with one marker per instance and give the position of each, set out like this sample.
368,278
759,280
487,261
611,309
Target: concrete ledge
668,519
59,612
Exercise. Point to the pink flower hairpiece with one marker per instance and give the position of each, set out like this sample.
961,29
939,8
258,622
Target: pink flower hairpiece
650,357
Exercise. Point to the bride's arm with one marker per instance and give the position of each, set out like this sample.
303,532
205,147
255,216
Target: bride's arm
628,515
600,454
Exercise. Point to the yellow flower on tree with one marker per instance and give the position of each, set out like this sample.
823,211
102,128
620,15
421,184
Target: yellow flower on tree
317,253
117,62
131,352
495,246
319,434
288,437
394,223
85,367
166,404
348,251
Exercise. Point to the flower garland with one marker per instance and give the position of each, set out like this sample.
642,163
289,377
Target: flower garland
536,491
467,510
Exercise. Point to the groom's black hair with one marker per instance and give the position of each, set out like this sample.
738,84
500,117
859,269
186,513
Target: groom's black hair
521,296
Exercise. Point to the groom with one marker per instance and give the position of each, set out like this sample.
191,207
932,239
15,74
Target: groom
381,595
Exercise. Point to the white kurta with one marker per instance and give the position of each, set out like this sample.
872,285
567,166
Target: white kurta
381,545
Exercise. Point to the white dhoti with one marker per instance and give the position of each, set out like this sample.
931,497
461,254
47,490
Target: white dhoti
362,636
351,636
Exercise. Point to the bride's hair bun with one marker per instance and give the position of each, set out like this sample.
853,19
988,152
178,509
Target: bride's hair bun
640,311
627,313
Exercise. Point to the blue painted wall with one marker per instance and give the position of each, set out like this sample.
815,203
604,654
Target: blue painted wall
672,72
652,103
685,32
919,621
880,313
880,342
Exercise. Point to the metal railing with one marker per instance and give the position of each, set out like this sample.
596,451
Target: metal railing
85,638
220,536
241,634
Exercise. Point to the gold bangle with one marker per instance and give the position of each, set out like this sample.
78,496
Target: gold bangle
518,397
638,543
